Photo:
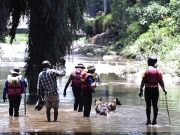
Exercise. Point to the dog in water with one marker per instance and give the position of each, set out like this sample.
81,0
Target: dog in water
101,108
112,104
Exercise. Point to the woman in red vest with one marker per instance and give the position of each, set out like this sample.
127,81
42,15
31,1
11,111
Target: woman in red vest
75,78
88,86
14,86
151,77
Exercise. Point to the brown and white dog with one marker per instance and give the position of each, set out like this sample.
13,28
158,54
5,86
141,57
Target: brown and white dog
112,104
101,108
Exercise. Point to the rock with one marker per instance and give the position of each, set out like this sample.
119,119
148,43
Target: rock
103,38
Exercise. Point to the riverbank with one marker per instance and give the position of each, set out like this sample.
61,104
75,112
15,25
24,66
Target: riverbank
128,119
131,70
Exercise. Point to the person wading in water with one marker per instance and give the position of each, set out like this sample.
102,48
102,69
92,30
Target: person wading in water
88,85
14,86
151,77
75,77
47,87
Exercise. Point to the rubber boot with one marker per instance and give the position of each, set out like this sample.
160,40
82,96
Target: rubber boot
48,113
155,116
148,114
80,106
10,111
148,122
154,122
55,114
75,105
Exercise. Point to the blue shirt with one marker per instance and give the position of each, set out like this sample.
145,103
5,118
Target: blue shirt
89,80
24,86
47,81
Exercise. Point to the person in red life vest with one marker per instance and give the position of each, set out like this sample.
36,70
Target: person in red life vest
88,85
75,78
14,86
151,77
47,87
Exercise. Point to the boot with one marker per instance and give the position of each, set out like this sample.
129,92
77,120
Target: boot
155,116
148,114
55,114
48,113
80,107
154,122
148,122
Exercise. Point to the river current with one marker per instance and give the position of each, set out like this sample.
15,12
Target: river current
129,118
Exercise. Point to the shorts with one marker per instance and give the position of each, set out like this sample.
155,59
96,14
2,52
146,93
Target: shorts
52,101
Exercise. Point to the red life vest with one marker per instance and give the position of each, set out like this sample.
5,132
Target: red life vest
84,84
76,77
14,85
152,76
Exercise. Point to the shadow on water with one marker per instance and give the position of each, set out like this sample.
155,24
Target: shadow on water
130,118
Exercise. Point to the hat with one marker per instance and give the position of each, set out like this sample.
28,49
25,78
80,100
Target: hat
16,70
152,60
46,64
80,66
90,67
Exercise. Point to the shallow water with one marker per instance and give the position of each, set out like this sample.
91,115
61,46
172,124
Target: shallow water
127,119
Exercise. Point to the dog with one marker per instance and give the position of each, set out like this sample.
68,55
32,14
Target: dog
112,104
101,108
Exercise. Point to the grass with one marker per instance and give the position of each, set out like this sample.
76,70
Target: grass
19,38
82,39
23,38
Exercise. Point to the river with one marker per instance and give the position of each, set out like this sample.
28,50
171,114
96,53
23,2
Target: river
129,118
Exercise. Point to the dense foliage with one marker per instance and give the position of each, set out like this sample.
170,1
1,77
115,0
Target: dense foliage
144,27
53,25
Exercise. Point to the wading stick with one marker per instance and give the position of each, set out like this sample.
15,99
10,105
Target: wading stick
25,102
167,110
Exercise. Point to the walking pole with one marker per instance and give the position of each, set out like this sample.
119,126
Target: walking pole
25,102
167,109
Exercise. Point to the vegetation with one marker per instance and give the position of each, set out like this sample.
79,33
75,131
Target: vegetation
143,28
52,28
19,38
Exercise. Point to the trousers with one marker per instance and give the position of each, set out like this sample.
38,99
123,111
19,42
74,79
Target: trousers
151,96
78,102
14,104
87,101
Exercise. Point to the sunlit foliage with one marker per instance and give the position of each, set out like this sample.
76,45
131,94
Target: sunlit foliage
53,25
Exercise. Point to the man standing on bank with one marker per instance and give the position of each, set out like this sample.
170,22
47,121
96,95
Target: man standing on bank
14,86
75,77
88,85
151,77
47,87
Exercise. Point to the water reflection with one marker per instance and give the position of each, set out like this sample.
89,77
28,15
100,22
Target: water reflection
129,118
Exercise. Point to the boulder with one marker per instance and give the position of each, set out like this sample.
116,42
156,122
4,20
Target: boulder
103,39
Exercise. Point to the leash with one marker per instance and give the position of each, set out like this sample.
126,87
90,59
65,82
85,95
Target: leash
167,110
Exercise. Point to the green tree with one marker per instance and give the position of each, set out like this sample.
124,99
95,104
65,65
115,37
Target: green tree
4,16
53,25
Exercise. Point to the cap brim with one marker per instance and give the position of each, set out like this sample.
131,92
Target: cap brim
80,67
91,69
13,72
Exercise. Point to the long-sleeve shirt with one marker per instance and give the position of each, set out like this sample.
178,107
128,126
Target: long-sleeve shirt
47,81
23,82
68,82
90,80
